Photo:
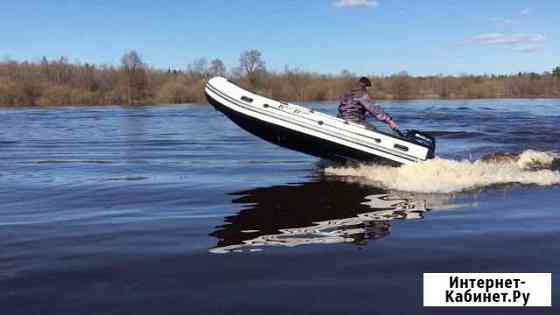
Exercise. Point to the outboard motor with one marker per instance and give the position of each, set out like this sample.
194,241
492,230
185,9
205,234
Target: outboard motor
423,139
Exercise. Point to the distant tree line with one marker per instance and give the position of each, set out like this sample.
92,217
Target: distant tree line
59,82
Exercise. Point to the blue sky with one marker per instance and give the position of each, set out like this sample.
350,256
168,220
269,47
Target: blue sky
327,36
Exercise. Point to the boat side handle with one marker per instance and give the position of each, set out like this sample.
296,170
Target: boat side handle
246,99
401,147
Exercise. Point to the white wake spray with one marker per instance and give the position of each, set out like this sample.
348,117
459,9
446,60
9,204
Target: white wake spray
447,176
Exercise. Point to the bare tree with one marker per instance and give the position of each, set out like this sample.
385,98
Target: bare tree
45,68
132,60
252,65
217,68
556,72
135,74
199,68
346,74
401,86
298,80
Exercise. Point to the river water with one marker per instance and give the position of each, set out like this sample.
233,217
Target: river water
175,210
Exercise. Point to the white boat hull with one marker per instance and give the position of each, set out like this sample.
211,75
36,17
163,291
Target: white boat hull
308,131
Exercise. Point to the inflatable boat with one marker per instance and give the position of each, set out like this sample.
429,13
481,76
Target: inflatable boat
309,131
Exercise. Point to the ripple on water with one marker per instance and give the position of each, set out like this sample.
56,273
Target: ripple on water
127,178
73,162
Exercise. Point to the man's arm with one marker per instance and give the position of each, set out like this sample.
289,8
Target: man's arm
377,112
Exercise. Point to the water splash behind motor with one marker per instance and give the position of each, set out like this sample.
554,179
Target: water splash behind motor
446,176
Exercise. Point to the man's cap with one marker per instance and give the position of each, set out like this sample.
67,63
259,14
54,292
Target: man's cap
365,82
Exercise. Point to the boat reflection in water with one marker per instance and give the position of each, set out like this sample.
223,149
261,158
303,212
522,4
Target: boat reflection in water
320,212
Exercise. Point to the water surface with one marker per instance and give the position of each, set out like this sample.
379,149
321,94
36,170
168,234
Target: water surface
175,210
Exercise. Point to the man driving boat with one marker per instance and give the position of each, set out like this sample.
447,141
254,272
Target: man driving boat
357,106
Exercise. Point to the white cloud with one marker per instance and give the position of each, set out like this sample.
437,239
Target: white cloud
525,12
525,43
356,3
526,48
504,39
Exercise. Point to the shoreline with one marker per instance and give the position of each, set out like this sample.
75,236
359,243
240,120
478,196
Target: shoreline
295,102
58,82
